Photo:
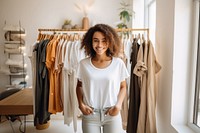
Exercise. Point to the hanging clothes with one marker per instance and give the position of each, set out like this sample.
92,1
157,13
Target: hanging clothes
134,96
61,60
141,71
153,68
42,115
146,68
54,103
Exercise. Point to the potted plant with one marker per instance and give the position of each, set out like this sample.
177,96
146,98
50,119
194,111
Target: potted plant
67,24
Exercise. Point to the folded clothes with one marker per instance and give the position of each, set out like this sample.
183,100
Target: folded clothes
12,62
18,69
13,50
16,42
14,36
12,46
13,28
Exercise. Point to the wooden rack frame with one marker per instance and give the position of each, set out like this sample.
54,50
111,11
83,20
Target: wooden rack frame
83,30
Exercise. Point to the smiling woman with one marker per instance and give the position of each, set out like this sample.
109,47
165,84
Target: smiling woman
101,86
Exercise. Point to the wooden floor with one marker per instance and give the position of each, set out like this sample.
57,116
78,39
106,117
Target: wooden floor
56,126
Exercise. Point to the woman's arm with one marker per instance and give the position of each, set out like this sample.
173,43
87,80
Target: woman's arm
86,110
121,95
79,93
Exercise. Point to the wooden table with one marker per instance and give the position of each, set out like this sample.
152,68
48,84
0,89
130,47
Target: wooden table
19,103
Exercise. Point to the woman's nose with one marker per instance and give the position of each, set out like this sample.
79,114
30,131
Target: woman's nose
100,44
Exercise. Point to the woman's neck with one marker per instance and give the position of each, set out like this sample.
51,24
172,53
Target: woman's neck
101,58
101,61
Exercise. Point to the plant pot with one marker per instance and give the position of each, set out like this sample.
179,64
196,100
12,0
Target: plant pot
67,26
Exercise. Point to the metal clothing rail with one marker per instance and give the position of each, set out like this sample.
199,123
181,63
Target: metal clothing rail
83,30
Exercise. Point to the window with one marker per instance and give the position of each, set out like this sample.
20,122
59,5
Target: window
150,17
196,118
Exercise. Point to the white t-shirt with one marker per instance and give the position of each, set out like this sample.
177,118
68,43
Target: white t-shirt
101,86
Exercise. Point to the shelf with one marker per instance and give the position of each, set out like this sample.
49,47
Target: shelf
13,51
14,47
18,67
16,64
13,28
14,42
18,32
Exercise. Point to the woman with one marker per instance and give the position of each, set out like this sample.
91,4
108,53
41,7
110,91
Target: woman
101,85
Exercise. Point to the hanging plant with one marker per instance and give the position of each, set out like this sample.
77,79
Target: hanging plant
125,15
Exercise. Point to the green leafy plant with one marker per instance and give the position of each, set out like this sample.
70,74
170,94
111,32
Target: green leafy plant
125,15
67,22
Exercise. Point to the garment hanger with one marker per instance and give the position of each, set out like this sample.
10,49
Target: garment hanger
138,38
79,36
132,36
39,36
143,38
51,37
71,37
64,36
47,36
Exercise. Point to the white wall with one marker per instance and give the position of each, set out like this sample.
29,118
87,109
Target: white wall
174,46
181,59
35,14
138,18
164,48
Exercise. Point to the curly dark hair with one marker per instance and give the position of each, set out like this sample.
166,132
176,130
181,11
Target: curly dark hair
110,35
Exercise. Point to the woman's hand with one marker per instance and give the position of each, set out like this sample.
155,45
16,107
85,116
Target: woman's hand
113,111
86,110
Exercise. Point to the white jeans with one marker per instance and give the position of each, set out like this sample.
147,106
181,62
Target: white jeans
98,121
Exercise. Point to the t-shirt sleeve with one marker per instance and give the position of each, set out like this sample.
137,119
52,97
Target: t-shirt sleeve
124,72
78,72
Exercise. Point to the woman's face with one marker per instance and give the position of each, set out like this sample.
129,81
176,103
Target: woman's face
99,43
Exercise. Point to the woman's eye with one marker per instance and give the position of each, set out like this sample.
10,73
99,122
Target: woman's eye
95,40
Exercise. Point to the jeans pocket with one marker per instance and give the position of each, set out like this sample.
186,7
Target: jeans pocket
87,115
112,116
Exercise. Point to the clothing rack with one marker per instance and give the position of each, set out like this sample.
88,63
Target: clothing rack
83,30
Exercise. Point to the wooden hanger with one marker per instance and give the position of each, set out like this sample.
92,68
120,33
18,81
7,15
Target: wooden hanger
39,36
